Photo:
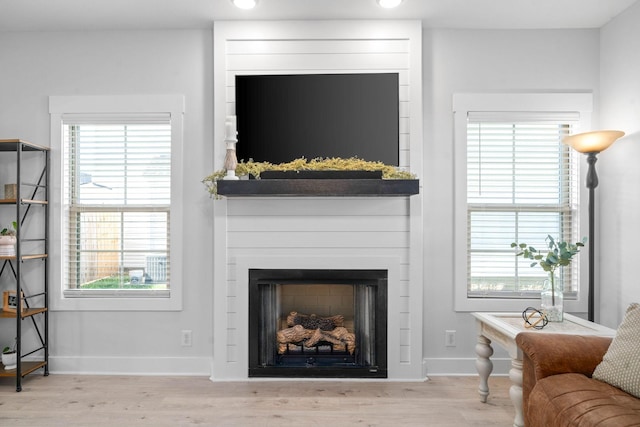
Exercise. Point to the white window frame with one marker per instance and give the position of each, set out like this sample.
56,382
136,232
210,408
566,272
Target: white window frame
464,103
115,104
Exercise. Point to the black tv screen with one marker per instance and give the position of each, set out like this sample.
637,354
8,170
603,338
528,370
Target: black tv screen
284,117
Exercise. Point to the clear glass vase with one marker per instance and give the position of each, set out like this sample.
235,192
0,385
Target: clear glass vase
552,299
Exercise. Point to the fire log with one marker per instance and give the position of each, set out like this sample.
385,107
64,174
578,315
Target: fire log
345,337
314,322
294,335
340,338
314,339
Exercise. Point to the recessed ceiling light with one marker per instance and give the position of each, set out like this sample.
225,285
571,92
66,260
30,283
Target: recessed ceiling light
389,4
245,4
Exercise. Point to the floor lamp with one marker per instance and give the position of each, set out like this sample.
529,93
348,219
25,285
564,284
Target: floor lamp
592,143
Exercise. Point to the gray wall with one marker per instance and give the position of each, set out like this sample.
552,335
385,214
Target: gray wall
479,61
618,196
36,65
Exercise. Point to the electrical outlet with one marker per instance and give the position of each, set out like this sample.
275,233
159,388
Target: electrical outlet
186,338
450,338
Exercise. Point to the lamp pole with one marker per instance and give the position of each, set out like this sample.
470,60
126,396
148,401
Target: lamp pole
592,183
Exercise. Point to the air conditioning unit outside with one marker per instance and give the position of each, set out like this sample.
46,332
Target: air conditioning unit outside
156,268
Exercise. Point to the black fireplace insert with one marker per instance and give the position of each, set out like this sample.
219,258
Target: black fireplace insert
317,323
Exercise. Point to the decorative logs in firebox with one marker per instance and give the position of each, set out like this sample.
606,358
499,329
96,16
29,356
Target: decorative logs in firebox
311,330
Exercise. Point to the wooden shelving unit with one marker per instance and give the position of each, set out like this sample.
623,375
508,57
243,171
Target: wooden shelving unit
33,308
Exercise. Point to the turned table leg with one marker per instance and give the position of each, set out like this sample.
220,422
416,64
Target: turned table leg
515,392
484,365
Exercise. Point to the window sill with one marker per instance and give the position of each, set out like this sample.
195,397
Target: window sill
117,300
463,304
116,293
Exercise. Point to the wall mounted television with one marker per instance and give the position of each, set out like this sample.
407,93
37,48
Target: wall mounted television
284,117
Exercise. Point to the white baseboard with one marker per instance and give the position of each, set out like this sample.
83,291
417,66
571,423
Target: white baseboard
201,366
109,365
462,366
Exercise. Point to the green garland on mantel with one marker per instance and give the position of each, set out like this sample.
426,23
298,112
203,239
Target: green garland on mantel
318,164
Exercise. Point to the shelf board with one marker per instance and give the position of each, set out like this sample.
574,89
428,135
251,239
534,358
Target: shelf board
26,313
27,368
25,257
318,187
12,145
23,201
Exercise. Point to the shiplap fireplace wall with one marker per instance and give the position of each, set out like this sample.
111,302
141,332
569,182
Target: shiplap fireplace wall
319,232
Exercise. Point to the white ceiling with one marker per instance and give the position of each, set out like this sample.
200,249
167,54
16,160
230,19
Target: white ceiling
58,15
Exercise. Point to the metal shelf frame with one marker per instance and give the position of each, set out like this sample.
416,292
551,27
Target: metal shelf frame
36,198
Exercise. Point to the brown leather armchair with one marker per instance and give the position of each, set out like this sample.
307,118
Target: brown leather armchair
557,387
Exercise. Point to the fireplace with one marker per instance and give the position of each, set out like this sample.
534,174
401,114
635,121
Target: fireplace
361,230
317,323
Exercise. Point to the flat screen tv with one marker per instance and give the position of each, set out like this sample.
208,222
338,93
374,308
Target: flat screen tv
284,117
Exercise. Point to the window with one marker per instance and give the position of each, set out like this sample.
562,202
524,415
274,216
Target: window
521,186
118,169
118,187
519,183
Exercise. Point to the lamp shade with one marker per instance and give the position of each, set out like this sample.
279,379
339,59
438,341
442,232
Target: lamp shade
593,142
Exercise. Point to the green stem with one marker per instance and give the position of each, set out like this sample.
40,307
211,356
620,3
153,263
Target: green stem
553,289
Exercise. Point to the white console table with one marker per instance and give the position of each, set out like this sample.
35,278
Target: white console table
502,328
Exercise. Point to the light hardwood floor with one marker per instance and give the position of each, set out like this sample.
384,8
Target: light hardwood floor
75,400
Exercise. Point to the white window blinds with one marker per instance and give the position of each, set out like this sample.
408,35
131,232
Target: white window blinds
117,197
521,187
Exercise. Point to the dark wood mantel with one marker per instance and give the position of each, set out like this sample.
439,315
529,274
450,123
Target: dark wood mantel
319,187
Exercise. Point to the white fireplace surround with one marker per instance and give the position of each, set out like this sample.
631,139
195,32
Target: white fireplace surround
238,327
320,232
